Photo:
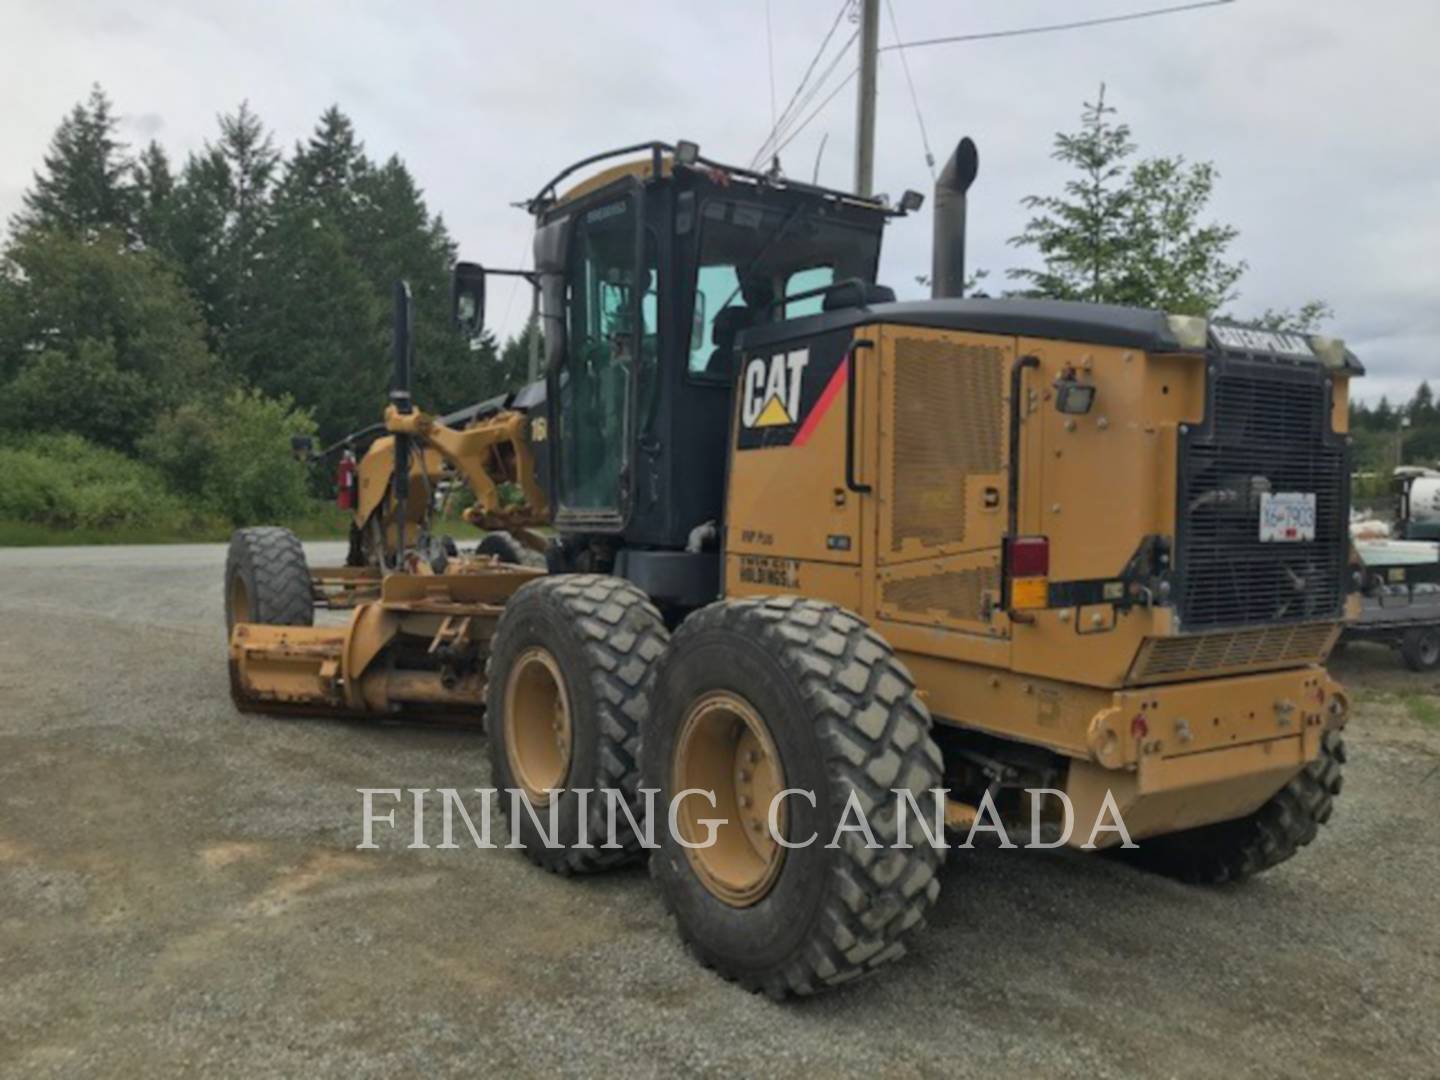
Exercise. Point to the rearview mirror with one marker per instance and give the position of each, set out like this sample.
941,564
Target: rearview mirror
467,298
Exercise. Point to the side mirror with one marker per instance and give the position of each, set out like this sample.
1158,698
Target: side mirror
467,298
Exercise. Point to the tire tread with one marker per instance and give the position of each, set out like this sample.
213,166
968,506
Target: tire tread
622,635
876,734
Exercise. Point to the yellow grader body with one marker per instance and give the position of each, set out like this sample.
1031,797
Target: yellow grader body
806,539
1184,728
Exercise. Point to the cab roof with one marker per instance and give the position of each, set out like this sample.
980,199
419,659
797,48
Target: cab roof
651,160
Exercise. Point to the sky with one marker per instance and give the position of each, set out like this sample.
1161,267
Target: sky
1319,114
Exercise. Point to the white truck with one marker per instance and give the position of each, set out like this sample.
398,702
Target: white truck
1397,571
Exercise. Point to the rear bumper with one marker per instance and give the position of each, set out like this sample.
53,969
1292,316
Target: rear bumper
1189,754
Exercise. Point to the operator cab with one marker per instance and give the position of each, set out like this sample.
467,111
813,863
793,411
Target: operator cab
648,271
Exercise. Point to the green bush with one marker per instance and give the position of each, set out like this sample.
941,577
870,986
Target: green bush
231,456
66,482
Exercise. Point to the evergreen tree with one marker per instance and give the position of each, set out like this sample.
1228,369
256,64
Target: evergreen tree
378,228
196,235
250,152
394,238
1422,410
1127,235
154,184
1384,417
317,335
323,171
252,162
84,186
1081,236
513,368
221,212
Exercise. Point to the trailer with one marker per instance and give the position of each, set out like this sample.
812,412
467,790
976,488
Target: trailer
1400,599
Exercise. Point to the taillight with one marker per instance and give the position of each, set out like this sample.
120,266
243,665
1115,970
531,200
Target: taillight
1027,563
1030,556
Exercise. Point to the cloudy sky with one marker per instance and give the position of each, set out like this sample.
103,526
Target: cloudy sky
1320,114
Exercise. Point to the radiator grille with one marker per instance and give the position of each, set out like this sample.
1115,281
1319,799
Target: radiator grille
1263,647
1267,432
947,426
956,594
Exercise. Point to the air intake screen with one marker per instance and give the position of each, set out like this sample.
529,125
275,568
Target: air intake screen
949,411
955,594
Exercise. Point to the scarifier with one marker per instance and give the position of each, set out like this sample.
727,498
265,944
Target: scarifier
801,535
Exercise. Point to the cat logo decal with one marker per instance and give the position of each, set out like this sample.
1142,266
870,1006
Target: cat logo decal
770,389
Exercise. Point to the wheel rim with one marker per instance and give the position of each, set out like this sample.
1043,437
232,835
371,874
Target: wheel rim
1430,649
724,747
538,729
239,600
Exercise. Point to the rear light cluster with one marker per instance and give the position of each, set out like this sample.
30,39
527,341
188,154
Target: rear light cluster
1027,565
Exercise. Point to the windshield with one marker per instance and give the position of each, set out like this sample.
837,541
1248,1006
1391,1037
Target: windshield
751,255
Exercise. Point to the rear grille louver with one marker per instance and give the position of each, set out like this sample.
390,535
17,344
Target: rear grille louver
1166,658
1267,430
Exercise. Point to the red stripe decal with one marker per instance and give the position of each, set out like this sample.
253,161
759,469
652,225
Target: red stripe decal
828,395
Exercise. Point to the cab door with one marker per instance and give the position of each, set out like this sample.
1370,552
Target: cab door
610,344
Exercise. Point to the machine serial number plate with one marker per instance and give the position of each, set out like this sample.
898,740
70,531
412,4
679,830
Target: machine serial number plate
1287,516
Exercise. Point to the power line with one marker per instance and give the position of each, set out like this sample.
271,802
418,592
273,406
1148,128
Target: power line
790,106
815,89
818,109
787,129
804,95
914,98
770,52
1056,26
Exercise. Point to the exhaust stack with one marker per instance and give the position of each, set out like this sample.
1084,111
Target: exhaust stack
947,257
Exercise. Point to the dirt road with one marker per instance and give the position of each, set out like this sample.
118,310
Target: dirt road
180,894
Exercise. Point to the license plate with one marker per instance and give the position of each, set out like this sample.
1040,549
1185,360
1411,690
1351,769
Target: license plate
1286,516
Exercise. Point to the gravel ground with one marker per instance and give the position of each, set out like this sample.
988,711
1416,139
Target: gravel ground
180,895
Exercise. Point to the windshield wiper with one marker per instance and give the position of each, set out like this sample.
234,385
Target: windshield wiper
744,275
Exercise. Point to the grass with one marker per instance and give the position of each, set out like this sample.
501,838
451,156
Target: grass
1423,709
324,522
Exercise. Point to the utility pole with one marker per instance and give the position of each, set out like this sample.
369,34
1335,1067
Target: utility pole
865,110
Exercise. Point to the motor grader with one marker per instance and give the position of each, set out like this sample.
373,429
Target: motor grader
805,538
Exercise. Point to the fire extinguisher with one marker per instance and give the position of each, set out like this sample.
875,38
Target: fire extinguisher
346,481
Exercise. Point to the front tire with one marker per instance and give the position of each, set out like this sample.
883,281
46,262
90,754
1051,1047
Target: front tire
267,579
568,685
760,695
1235,850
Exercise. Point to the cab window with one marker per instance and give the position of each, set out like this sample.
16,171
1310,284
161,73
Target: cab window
814,277
750,253
714,285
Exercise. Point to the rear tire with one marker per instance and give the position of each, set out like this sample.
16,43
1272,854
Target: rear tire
1239,849
568,689
842,718
267,579
1420,648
